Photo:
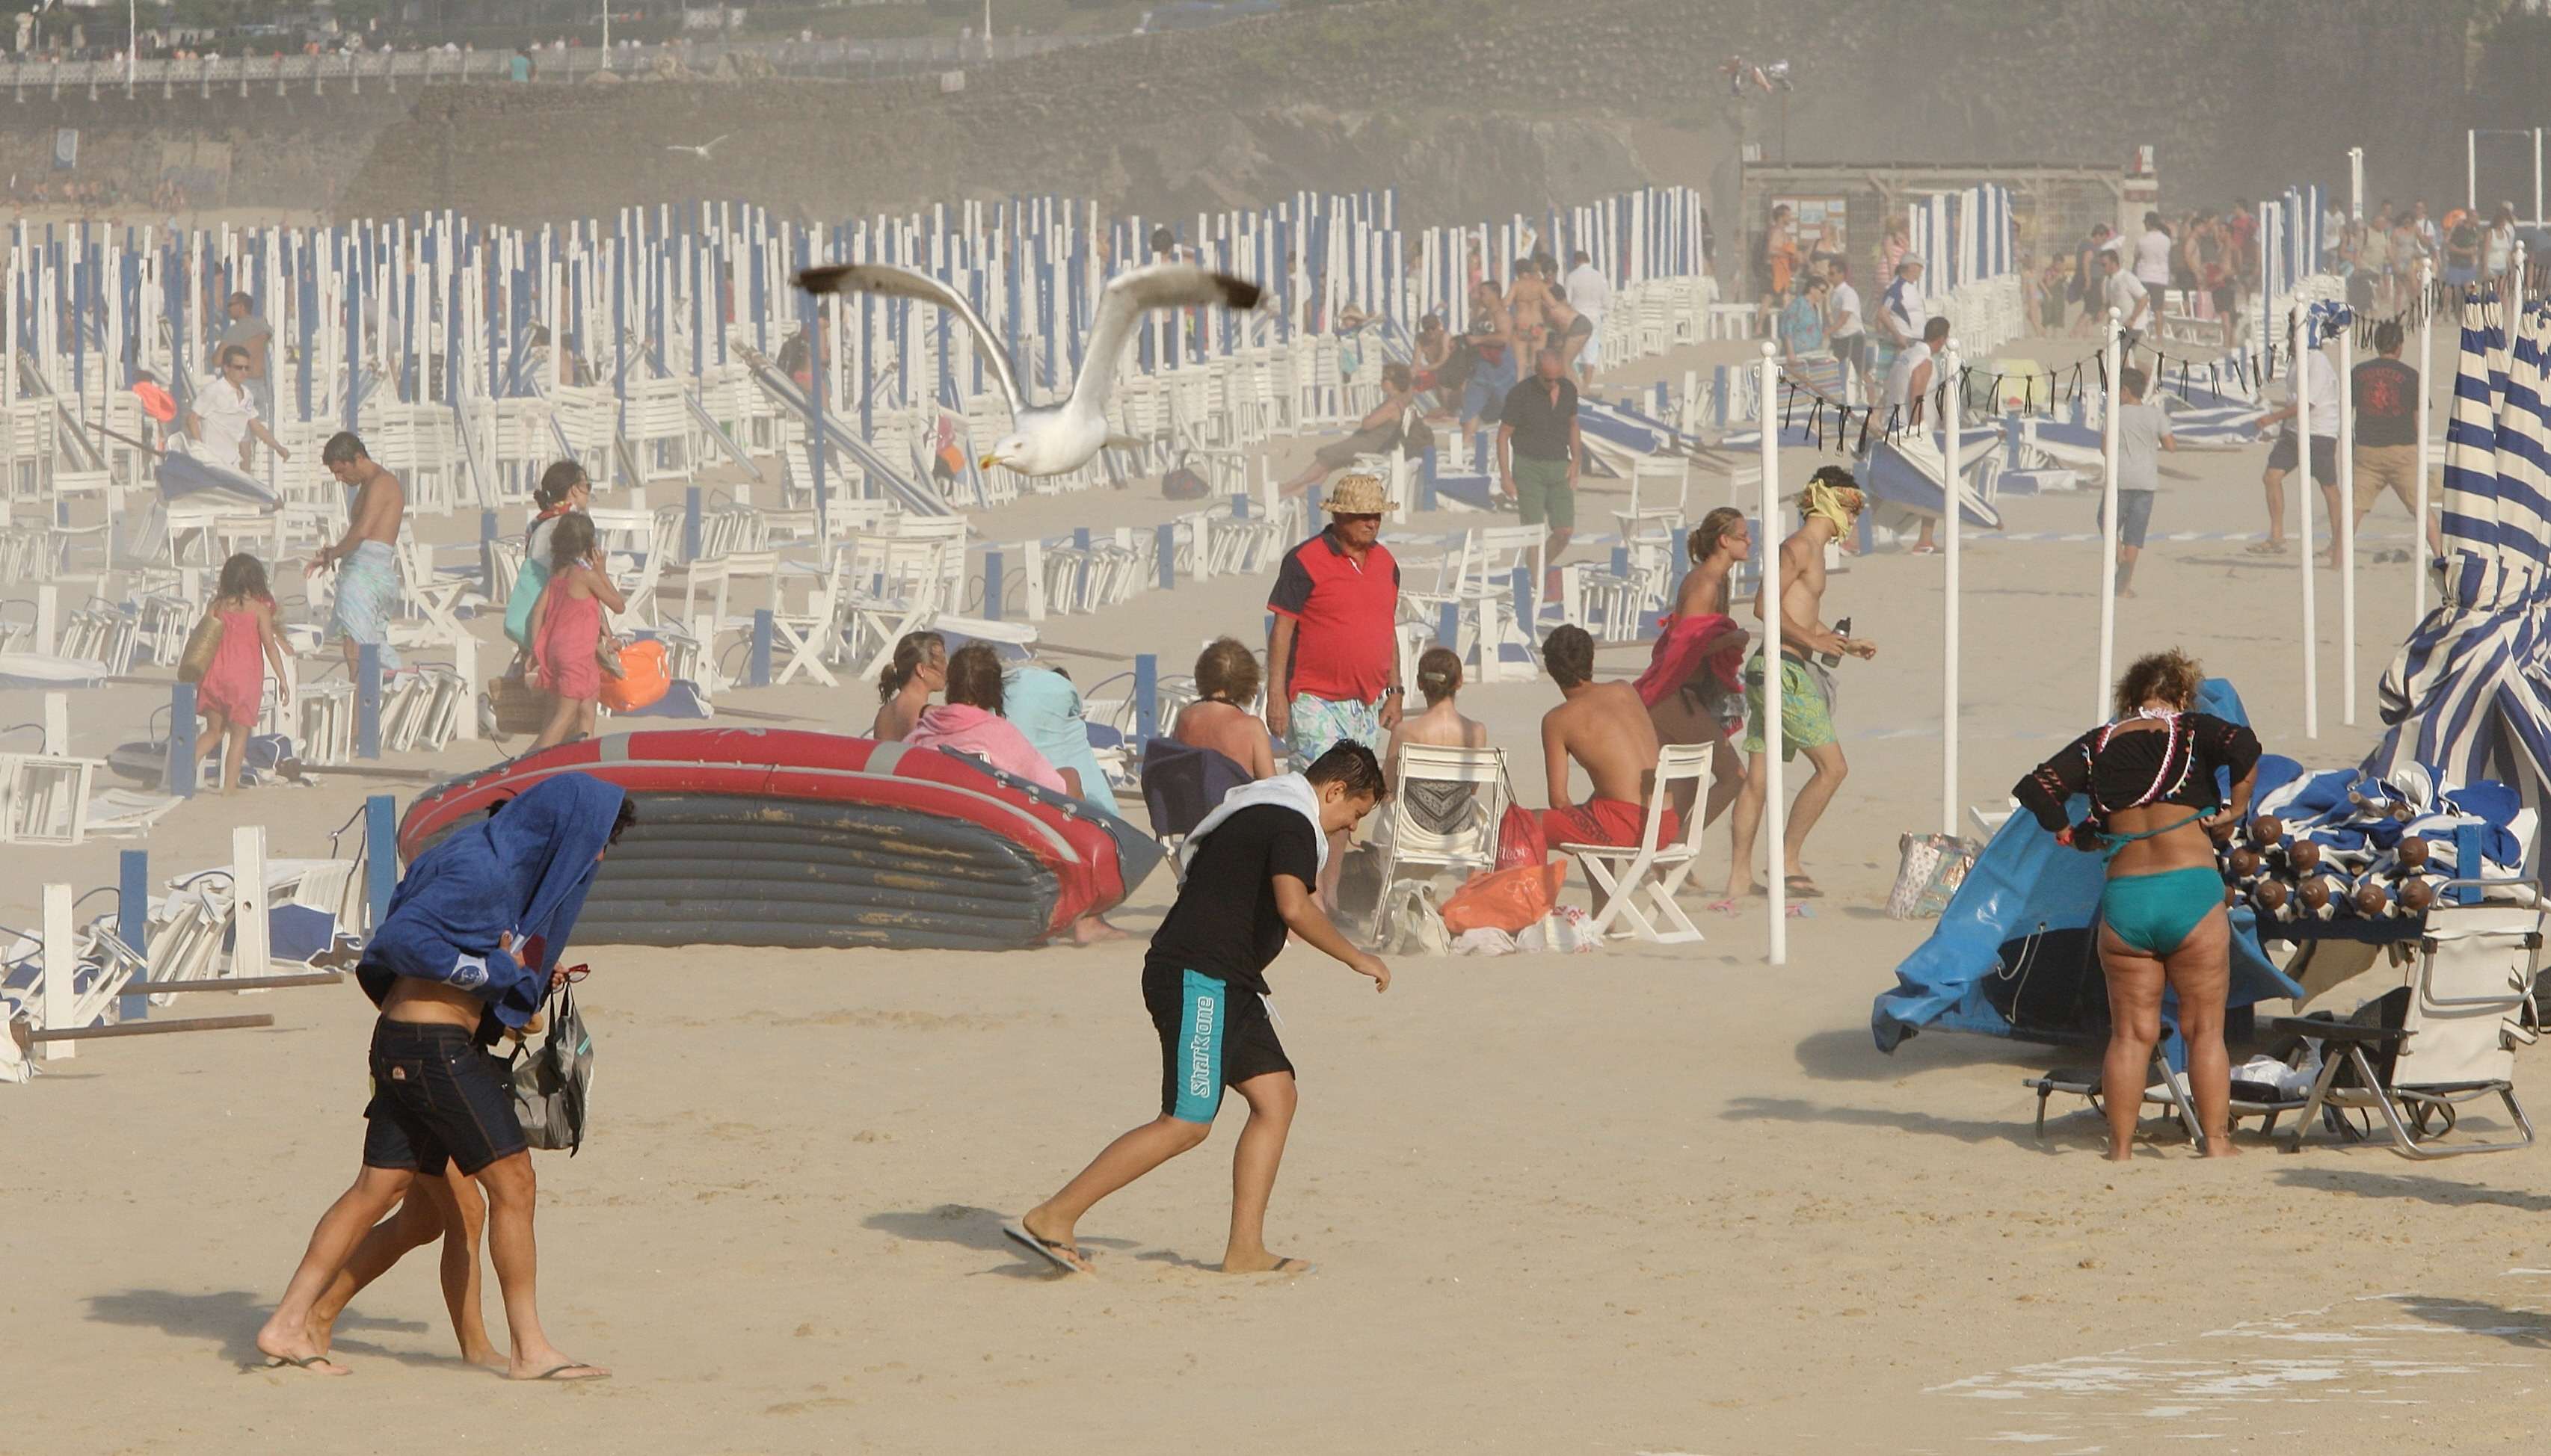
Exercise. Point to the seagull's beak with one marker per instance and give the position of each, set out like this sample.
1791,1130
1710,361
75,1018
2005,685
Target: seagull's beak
988,462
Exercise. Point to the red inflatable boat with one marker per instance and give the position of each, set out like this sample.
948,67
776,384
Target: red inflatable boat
780,837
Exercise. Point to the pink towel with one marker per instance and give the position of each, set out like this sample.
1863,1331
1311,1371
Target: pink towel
961,727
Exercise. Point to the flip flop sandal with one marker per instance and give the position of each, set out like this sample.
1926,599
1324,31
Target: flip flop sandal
560,1372
1059,1255
298,1362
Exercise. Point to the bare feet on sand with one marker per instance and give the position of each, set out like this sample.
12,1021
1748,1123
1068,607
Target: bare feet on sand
1091,930
323,1332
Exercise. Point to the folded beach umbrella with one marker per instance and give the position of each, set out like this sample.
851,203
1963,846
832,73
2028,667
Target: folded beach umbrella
2469,695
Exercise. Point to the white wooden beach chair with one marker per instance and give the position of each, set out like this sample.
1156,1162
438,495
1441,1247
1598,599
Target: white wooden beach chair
1659,872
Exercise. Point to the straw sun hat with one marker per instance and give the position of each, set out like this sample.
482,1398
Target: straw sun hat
1357,495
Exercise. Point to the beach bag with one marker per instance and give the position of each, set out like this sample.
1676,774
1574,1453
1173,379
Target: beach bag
1182,483
520,707
550,1083
1520,840
201,645
1416,921
1928,874
529,583
1505,900
643,681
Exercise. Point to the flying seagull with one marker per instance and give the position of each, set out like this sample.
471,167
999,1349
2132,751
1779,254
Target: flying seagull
702,150
1051,440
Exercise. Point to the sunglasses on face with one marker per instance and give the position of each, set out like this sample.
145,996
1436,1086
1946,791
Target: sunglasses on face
1377,516
234,368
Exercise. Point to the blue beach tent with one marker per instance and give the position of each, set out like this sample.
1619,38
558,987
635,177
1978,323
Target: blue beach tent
2016,953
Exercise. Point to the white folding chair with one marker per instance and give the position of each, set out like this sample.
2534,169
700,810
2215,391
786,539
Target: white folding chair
2468,1003
1408,840
806,635
1622,873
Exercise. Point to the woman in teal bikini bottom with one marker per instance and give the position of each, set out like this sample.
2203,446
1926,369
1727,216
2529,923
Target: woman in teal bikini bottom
2156,801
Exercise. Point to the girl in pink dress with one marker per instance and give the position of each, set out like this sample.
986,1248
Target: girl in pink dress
567,629
232,693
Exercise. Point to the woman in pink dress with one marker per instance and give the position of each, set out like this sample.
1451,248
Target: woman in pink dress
231,694
567,629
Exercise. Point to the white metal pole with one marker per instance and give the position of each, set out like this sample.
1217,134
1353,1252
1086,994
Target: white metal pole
1776,809
2109,525
2347,527
2304,517
59,998
2537,174
2356,184
1954,420
2427,363
2471,169
249,946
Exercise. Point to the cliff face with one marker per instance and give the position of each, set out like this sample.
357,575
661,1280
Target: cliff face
1471,107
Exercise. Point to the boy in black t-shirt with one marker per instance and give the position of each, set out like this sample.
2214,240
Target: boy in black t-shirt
1205,985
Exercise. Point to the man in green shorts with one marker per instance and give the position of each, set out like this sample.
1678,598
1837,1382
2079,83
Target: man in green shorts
1537,449
1830,505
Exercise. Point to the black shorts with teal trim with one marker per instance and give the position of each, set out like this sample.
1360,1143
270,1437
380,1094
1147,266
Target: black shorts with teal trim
1212,1036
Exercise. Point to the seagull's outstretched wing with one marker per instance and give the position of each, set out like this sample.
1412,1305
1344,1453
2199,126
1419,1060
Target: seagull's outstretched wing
893,282
1159,287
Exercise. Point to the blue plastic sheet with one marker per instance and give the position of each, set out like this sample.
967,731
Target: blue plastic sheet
2015,954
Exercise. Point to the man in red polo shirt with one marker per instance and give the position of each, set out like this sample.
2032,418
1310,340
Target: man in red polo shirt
1333,661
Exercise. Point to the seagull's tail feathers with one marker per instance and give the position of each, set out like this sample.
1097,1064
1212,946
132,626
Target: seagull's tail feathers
1238,293
831,278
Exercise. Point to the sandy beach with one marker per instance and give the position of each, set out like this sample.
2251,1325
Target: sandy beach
1645,1200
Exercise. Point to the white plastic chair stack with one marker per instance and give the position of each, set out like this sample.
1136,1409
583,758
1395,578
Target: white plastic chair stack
327,717
44,798
101,635
422,709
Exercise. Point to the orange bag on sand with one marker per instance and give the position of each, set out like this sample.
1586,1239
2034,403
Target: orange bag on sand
1505,900
645,678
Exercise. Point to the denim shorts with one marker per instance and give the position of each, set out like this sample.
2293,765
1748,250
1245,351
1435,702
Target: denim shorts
437,1098
2134,517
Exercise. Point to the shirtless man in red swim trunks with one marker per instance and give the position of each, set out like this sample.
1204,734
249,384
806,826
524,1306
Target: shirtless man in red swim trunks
1604,729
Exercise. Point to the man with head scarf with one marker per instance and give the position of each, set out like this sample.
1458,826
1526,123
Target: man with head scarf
1829,507
469,948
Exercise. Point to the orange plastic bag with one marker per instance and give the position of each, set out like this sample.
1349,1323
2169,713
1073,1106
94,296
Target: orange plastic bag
645,680
1505,900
